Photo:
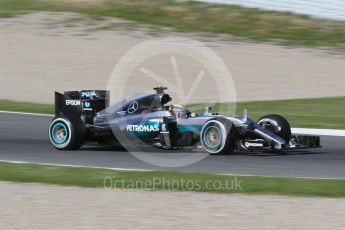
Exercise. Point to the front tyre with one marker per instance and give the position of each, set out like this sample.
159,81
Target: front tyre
66,133
219,136
276,124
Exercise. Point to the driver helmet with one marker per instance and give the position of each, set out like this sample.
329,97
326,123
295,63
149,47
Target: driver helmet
179,111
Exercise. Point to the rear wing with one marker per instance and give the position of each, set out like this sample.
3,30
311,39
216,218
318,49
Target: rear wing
85,102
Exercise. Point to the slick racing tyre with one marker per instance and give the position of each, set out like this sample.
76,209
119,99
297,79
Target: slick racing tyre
66,132
276,124
219,136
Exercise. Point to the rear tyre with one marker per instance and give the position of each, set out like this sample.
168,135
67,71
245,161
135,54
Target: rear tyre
219,136
67,132
276,124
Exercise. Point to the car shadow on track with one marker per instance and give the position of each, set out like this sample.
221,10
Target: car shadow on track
103,148
240,153
280,154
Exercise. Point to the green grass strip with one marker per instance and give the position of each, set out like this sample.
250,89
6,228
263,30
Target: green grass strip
15,106
328,113
304,113
158,180
191,16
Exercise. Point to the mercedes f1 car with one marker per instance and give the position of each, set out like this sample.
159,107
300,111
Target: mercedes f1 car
147,119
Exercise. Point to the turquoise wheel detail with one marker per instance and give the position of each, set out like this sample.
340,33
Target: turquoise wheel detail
59,133
212,137
215,136
66,133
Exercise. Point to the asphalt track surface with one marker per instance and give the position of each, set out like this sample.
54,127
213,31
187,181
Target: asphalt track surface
24,138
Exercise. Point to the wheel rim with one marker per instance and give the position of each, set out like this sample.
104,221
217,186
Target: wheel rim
59,133
212,137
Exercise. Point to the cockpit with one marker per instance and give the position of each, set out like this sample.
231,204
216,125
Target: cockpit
179,111
161,99
146,103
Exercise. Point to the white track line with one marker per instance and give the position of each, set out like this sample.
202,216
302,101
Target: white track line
76,166
31,114
321,132
303,131
149,170
297,177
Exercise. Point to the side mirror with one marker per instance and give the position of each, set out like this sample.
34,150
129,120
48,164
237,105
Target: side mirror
245,115
207,110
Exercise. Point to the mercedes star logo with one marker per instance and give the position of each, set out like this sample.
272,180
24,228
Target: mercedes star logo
133,106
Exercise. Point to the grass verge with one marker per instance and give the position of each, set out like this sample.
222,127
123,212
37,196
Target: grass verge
158,180
262,25
26,107
304,113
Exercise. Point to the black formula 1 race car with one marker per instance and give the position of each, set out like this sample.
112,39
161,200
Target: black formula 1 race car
145,119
